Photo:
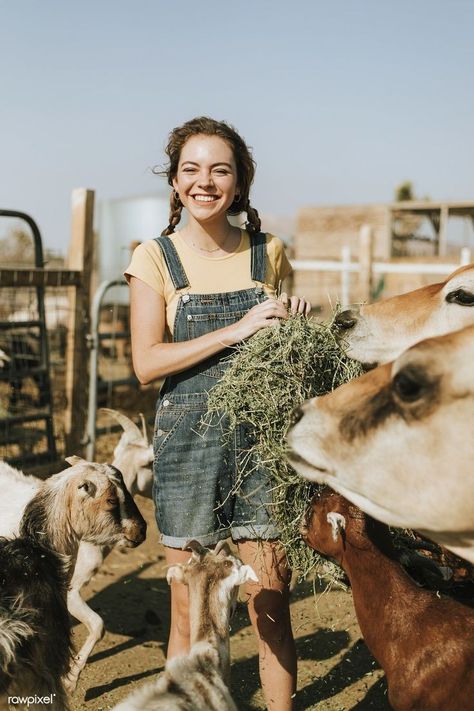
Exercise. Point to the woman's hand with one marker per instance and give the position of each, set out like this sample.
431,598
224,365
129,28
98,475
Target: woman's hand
259,316
295,304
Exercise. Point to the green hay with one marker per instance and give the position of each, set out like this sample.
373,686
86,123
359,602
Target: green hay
272,373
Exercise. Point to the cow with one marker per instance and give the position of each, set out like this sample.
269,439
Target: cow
379,332
397,441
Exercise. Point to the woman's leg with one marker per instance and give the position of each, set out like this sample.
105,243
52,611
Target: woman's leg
178,642
269,612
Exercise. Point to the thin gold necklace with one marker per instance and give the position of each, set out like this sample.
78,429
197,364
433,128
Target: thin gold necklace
214,249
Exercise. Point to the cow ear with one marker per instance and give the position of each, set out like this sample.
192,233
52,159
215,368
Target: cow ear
337,522
175,574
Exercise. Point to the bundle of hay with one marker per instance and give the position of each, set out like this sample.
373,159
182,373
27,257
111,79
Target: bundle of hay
272,373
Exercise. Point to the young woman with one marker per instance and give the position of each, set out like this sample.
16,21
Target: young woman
195,294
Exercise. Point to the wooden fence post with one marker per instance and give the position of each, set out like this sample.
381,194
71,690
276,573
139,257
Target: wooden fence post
366,248
77,379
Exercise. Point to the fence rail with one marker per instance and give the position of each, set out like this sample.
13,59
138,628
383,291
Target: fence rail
366,267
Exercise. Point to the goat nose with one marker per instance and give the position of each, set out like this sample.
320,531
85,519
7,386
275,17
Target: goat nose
346,319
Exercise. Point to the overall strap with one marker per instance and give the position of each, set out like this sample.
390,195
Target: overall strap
173,262
258,260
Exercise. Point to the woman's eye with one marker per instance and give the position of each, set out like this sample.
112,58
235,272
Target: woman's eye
408,387
460,296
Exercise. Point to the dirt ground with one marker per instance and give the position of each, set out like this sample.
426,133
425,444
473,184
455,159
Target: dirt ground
336,671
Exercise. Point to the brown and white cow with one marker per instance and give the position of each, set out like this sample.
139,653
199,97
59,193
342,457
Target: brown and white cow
398,441
380,332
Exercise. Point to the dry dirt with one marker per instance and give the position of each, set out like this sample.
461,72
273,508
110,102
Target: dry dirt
336,671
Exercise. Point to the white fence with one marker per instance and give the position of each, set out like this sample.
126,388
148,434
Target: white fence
367,268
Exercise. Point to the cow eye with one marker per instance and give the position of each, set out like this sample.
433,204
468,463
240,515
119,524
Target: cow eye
408,386
461,296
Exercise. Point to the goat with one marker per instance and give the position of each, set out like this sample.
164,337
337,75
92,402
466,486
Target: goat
88,502
133,456
424,643
199,680
35,634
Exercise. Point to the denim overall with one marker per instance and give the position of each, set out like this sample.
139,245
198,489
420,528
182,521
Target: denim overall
196,470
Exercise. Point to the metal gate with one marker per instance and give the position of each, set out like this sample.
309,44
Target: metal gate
26,412
98,385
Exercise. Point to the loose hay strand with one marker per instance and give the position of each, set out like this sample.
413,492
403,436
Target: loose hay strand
270,374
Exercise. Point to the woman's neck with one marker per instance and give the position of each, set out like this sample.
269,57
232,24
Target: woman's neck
209,238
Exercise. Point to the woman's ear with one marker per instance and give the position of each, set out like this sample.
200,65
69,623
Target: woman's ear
175,183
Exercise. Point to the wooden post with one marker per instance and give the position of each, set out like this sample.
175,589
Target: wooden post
443,231
77,380
366,248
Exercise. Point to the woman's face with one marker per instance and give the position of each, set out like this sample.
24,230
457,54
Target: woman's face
207,177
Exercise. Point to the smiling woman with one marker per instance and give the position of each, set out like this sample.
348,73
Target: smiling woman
196,293
206,182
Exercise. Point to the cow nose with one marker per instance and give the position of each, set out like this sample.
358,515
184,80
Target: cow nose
346,319
296,415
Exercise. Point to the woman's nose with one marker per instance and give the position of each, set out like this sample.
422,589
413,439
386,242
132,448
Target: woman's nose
205,179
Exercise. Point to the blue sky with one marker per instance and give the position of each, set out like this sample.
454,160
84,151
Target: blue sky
340,101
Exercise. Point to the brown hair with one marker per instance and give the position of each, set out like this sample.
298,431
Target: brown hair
206,126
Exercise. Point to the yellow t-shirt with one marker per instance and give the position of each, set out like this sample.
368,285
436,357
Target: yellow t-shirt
206,275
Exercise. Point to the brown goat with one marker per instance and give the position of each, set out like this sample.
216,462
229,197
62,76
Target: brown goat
199,680
424,643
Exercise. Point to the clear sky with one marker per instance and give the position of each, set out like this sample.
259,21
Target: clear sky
340,100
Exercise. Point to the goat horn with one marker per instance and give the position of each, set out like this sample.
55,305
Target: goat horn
222,547
196,548
142,420
129,427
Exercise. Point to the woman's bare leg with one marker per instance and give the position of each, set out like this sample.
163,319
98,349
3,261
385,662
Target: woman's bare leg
178,642
270,617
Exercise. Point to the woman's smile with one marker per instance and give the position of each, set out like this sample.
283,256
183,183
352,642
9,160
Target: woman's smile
205,198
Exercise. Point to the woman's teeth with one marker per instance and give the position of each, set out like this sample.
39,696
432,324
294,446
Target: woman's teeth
205,198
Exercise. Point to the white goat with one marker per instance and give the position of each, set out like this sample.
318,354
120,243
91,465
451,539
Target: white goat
133,456
199,680
88,502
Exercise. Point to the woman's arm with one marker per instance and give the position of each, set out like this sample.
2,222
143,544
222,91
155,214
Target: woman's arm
153,358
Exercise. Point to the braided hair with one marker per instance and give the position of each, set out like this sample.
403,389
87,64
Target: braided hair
245,164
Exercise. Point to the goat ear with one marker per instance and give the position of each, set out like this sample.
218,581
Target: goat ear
74,460
338,524
246,572
175,574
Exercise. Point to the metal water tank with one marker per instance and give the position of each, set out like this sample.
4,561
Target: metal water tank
121,222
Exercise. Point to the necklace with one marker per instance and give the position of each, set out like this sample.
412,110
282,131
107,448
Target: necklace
214,249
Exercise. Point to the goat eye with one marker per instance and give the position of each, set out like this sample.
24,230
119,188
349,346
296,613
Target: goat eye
408,387
85,486
112,502
460,296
